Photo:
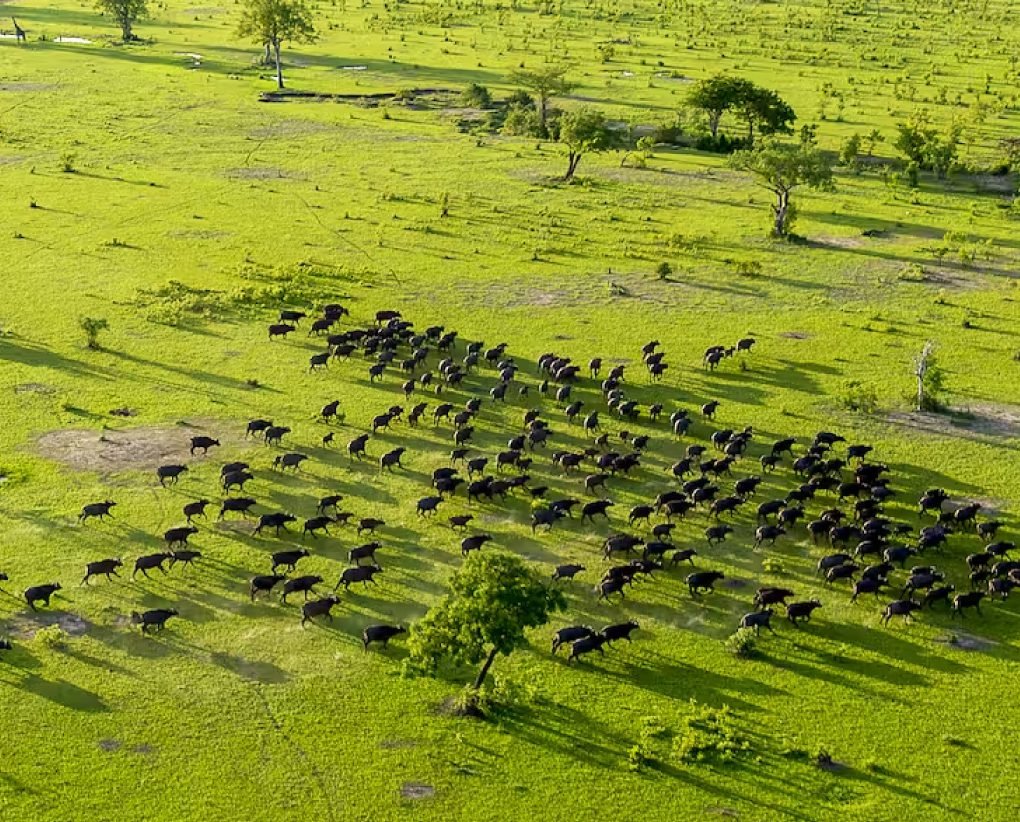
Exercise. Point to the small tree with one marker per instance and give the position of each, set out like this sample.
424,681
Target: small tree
582,131
872,139
780,168
849,151
495,596
92,326
271,23
126,13
543,84
930,380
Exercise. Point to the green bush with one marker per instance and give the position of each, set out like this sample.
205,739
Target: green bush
476,96
709,735
856,396
742,643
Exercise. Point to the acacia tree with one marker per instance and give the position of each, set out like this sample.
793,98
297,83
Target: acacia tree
126,13
582,131
495,596
780,168
274,22
717,95
543,83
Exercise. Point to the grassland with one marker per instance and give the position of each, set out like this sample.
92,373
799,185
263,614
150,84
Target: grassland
194,211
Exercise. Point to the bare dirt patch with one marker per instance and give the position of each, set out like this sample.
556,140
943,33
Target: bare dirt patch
834,241
263,173
109,744
983,421
27,86
416,790
27,626
34,388
967,642
795,335
109,451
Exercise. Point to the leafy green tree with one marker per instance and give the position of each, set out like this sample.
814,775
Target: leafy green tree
543,84
126,13
765,110
849,151
92,326
271,23
781,168
495,596
922,143
873,138
582,131
716,95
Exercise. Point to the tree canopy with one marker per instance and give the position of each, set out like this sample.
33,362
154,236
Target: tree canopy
717,95
582,131
271,23
782,167
760,108
126,13
494,597
543,83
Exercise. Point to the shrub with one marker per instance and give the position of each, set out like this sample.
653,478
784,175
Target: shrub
522,122
747,268
709,735
476,96
663,270
67,162
52,636
859,397
742,643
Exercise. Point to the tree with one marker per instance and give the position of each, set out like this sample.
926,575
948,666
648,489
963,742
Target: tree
920,142
274,22
92,326
582,131
495,596
766,110
780,168
543,83
126,13
716,95
930,379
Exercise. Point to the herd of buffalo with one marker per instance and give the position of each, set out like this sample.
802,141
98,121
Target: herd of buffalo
837,496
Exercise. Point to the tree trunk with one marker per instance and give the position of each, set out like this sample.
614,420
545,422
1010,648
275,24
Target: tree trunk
267,56
480,679
922,369
713,123
125,30
542,103
279,65
573,159
781,209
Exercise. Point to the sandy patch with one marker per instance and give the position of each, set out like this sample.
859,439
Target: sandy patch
27,86
262,173
26,626
416,790
34,388
110,451
79,40
982,421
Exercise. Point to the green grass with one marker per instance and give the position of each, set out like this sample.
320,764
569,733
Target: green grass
181,175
